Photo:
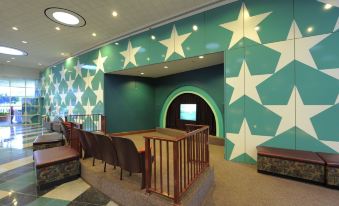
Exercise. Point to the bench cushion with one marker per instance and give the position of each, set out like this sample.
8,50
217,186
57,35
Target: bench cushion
331,160
55,155
48,138
294,155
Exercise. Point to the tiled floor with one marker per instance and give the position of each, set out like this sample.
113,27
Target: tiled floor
17,177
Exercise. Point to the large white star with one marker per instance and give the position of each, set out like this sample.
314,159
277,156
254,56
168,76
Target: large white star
47,108
88,80
303,114
251,26
174,43
129,54
63,98
88,108
252,81
285,48
51,98
63,73
78,96
56,87
78,69
99,94
332,144
336,27
100,62
57,108
303,46
70,84
245,141
331,2
332,72
51,76
70,108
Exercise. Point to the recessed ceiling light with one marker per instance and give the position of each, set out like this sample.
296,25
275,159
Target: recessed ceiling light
94,34
15,28
166,67
57,28
62,54
24,42
12,51
114,13
13,58
142,73
65,17
201,57
257,28
327,6
310,29
153,37
8,61
195,28
39,64
116,43
54,66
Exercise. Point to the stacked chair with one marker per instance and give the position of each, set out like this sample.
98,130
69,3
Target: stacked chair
116,151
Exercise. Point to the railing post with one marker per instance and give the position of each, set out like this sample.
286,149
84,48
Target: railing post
148,163
103,124
176,171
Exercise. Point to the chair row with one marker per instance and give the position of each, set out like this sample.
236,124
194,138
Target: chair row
116,151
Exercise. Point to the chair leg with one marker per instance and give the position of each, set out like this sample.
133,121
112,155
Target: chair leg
143,180
120,173
105,167
114,167
130,173
93,161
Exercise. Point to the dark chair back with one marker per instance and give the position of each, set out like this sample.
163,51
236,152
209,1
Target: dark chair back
93,145
128,156
66,130
83,142
107,147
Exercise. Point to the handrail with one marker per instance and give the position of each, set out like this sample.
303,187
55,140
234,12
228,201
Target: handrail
92,122
190,157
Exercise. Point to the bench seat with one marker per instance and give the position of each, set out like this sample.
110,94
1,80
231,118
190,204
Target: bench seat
332,168
46,141
56,165
292,163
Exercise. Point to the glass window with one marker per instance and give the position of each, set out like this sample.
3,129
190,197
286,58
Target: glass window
17,91
4,83
30,92
4,91
30,83
17,83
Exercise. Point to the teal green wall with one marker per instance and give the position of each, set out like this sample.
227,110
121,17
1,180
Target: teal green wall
129,103
281,70
210,80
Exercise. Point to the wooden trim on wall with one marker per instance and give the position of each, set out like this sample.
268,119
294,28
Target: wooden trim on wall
131,132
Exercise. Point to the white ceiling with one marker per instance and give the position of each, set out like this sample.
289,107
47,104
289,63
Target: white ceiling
45,44
174,67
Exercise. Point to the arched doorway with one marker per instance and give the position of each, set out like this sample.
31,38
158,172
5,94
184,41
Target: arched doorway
201,93
203,115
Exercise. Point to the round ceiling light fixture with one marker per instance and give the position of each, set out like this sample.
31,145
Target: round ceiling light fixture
12,51
65,17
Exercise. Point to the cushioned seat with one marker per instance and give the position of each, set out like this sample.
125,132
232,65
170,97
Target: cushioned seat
48,141
291,163
294,155
56,165
332,168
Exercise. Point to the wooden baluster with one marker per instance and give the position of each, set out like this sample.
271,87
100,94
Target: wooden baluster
155,165
185,161
176,172
168,183
161,166
180,166
148,164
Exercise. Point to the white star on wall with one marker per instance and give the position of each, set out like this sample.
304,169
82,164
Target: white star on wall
70,108
100,62
63,73
56,87
129,54
251,25
174,43
51,76
63,98
303,114
88,108
285,48
88,80
248,145
332,144
57,108
336,27
332,72
78,96
70,84
51,98
78,69
99,94
47,108
252,81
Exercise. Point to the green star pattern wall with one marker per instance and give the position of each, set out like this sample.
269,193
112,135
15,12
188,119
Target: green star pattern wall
281,71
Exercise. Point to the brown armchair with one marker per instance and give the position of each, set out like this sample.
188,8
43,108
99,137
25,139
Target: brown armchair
130,158
84,144
107,149
93,146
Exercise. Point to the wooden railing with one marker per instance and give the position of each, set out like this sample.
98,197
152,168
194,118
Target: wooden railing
173,164
92,122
